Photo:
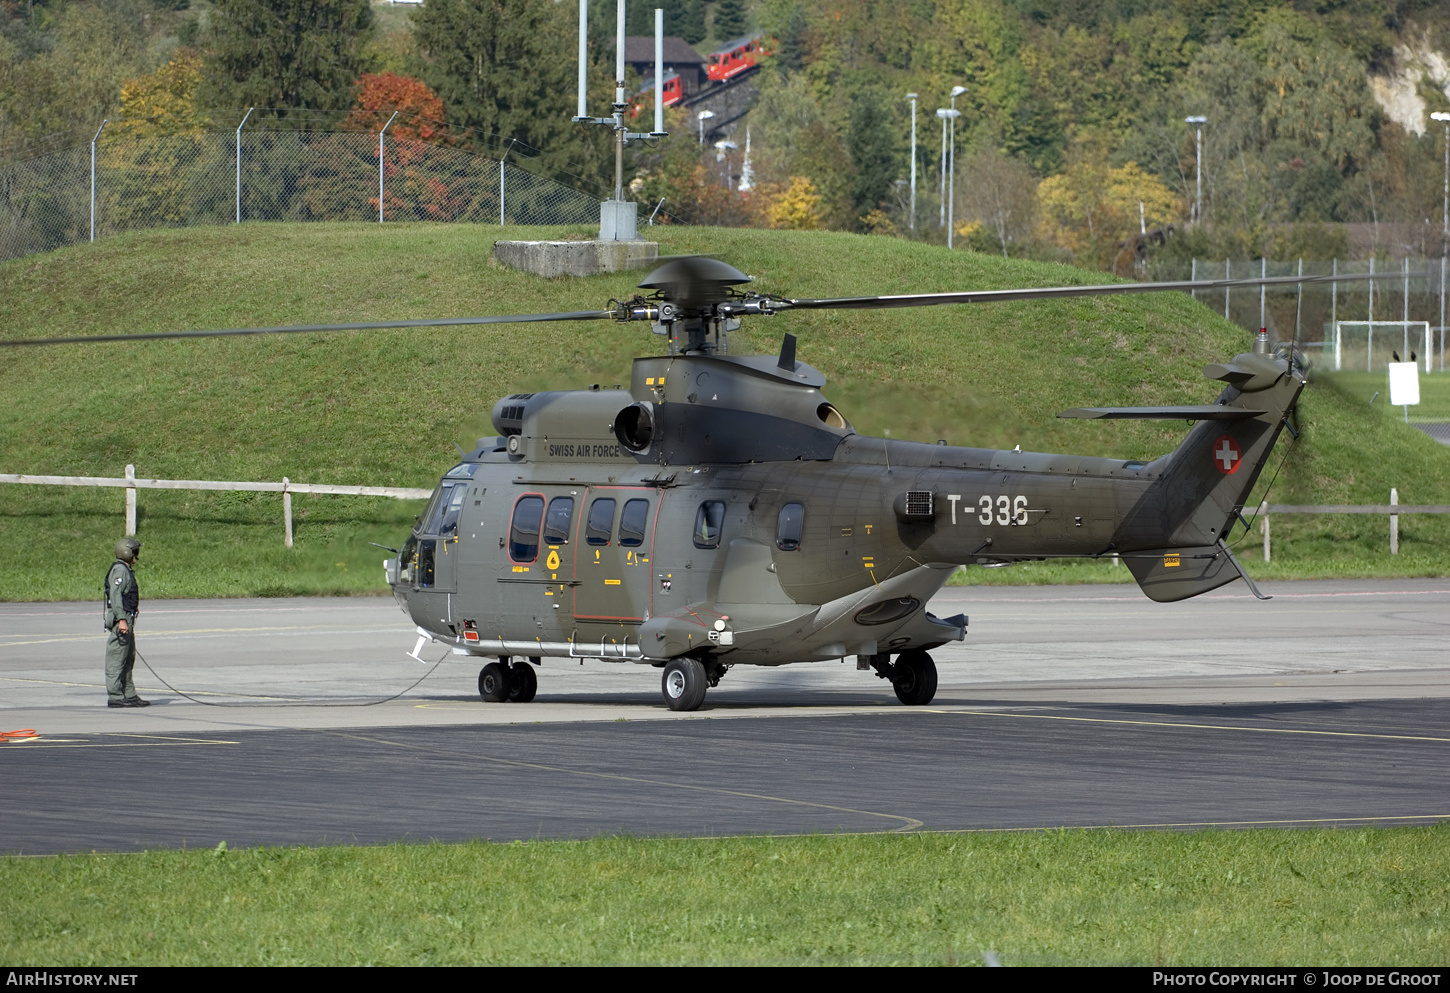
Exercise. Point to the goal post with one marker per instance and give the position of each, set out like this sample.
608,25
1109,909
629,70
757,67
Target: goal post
1371,342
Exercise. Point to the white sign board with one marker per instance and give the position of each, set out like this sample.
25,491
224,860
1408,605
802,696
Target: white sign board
1404,383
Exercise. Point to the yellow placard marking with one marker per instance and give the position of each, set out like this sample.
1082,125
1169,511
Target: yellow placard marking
611,582
868,528
553,560
868,561
1170,561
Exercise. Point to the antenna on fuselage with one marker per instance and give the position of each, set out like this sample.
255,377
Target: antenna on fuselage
618,220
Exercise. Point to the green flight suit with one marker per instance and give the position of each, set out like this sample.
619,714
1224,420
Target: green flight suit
122,601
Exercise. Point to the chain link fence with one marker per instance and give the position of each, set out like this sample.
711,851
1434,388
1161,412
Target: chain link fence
1346,325
122,183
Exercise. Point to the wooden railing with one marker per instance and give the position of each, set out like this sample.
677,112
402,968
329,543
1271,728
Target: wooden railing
1393,510
286,487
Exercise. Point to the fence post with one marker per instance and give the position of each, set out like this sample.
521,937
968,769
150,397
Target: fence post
287,511
1264,526
380,220
93,178
131,501
1334,311
1369,338
239,163
500,191
1394,523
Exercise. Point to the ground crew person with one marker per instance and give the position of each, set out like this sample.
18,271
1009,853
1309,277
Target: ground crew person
123,601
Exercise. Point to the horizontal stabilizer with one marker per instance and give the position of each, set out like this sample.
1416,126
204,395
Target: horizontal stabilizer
1200,412
1170,574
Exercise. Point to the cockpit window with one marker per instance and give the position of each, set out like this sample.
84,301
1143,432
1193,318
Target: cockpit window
443,513
789,526
464,471
709,521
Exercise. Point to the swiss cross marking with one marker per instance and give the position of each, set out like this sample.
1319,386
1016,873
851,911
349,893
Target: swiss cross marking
1226,455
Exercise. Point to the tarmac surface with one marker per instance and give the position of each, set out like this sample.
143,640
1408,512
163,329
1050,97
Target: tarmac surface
1066,706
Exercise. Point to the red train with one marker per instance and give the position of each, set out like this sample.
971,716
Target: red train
644,100
735,58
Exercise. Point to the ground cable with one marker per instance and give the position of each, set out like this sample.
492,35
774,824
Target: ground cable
302,703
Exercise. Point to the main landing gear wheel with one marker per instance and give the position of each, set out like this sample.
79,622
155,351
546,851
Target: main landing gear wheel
914,678
493,683
684,684
523,682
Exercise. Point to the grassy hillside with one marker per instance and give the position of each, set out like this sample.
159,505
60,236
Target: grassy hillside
387,407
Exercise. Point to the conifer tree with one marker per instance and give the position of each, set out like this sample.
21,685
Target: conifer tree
286,54
508,68
731,21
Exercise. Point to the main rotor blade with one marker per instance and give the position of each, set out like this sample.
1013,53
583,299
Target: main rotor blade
1052,292
442,322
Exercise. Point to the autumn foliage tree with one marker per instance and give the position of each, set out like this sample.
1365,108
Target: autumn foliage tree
164,102
421,174
1091,207
158,151
380,94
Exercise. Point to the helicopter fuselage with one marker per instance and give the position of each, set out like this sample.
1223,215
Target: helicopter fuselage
722,509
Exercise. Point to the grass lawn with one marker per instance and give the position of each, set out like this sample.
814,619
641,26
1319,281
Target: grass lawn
1322,897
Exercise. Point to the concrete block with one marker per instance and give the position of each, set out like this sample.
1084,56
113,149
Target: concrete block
574,258
618,220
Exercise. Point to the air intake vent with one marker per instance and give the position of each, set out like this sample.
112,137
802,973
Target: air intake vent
915,507
508,414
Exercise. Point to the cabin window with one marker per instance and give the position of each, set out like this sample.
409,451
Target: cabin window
709,522
559,520
632,522
601,521
789,526
524,532
427,550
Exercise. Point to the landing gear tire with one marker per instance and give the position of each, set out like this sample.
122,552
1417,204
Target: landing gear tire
684,684
523,682
914,678
493,683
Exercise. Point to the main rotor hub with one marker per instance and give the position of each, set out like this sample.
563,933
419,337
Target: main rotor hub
694,283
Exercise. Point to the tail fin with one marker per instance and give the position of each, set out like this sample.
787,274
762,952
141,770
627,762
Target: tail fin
1179,526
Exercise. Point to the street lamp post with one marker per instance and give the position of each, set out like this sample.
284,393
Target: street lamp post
702,117
941,113
1445,208
1444,230
952,181
911,223
1198,121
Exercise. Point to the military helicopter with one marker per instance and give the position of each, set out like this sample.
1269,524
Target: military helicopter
722,512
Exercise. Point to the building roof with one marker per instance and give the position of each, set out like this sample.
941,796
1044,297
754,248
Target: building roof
677,51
